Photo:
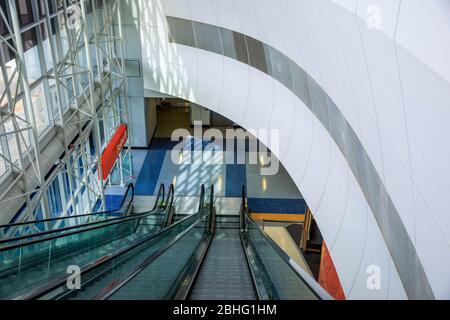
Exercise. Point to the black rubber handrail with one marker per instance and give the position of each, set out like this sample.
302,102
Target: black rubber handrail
315,288
169,204
55,284
83,228
129,187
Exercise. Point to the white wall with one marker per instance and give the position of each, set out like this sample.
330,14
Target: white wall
392,86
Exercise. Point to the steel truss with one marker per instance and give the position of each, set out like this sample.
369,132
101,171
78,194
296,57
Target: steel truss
97,36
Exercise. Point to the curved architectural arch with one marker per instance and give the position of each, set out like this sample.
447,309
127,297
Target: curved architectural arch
339,161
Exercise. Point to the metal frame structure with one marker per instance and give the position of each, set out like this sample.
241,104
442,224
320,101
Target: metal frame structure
77,69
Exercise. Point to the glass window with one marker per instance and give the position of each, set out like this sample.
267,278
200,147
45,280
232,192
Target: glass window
70,92
257,55
102,130
80,166
38,212
91,143
229,49
234,45
13,123
63,34
181,31
280,67
207,37
54,114
29,39
47,49
319,103
40,108
42,7
3,28
2,163
241,47
24,11
54,198
300,83
31,57
7,52
84,77
60,4
66,183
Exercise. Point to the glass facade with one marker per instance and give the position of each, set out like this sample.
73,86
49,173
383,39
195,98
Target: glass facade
44,83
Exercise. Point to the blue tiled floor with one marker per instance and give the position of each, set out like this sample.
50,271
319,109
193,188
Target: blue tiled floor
167,144
187,178
235,179
113,202
149,174
267,194
277,205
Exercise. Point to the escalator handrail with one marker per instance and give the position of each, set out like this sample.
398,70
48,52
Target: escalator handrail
309,281
168,205
160,196
183,285
49,287
62,230
150,259
170,195
129,187
83,228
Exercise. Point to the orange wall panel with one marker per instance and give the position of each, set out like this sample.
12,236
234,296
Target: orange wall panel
328,277
113,150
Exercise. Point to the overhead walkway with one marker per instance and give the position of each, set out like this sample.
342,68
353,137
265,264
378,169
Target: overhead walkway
29,263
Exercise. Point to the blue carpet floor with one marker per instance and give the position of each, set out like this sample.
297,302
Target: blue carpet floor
235,179
293,206
113,202
167,144
148,177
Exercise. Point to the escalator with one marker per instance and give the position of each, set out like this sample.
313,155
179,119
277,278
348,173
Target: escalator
239,261
102,278
225,266
32,260
156,216
21,230
203,256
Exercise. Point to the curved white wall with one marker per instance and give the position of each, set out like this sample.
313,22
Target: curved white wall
393,88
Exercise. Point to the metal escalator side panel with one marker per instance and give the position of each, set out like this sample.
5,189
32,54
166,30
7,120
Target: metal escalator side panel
276,275
182,287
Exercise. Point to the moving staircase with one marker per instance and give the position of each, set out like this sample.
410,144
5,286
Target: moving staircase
33,260
201,255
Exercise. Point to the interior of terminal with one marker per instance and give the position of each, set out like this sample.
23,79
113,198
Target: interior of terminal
224,150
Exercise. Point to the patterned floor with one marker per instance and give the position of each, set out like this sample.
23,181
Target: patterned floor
267,194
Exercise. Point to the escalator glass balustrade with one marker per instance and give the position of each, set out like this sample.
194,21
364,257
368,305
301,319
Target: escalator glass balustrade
38,259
